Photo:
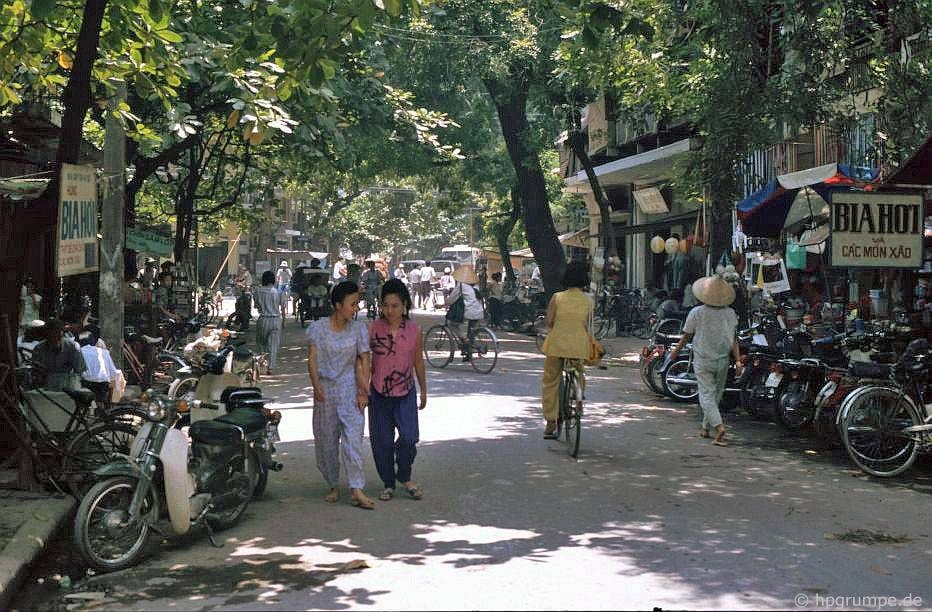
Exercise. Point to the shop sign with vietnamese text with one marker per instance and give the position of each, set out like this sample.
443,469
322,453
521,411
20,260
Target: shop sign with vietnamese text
77,221
145,241
877,230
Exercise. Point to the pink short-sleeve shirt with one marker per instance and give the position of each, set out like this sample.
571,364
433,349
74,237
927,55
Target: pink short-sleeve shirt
393,354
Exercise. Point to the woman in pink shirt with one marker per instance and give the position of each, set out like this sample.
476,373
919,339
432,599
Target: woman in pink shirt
397,356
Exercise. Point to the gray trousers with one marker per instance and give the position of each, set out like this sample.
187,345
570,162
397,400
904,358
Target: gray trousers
269,337
339,426
711,375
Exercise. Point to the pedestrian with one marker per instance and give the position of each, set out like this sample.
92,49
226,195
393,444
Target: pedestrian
711,329
568,315
283,278
496,294
427,281
397,357
340,394
272,305
446,283
165,297
414,282
473,313
371,284
339,270
30,301
400,274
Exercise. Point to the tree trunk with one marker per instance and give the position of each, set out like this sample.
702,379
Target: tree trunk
77,95
510,99
605,210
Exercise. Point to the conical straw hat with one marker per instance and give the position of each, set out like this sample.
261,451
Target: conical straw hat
713,291
465,274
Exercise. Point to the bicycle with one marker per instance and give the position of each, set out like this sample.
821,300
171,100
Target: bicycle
569,418
65,443
442,341
626,311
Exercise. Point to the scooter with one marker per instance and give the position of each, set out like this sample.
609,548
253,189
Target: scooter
208,483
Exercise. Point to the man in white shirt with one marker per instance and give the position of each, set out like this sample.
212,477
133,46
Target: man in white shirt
101,371
414,282
427,280
339,270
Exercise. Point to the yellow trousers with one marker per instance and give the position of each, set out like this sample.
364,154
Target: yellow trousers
550,385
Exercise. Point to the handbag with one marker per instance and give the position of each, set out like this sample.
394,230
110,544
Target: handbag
457,311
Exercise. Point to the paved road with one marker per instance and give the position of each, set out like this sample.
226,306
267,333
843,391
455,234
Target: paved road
650,515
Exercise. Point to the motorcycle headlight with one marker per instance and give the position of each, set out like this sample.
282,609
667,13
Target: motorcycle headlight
155,411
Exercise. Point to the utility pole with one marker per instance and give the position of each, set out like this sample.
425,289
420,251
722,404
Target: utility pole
112,231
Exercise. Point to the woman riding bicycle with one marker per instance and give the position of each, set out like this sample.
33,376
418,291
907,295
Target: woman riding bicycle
466,280
568,321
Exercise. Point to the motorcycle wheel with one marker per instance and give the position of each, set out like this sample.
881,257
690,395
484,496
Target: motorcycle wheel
681,393
790,417
261,479
103,537
746,398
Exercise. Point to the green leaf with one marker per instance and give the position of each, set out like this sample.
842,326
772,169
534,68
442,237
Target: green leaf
155,10
393,7
169,36
41,9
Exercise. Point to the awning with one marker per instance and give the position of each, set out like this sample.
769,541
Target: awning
916,172
764,213
573,239
302,254
656,226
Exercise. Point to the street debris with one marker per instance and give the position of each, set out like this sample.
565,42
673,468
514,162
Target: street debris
867,536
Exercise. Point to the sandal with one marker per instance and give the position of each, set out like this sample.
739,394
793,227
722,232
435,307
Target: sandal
550,431
332,496
703,433
387,494
720,438
365,503
415,492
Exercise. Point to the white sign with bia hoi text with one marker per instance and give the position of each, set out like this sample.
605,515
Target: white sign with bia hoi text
876,230
77,220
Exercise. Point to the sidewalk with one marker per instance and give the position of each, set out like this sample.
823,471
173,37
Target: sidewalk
28,521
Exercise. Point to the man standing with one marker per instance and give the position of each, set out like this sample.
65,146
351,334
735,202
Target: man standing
414,281
283,280
427,280
339,270
56,360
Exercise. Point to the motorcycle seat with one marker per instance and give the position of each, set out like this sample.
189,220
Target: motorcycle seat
249,420
863,369
81,396
215,433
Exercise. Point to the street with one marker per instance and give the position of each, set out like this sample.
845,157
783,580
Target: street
649,516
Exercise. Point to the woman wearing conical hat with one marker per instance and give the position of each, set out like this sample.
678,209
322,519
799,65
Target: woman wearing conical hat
711,329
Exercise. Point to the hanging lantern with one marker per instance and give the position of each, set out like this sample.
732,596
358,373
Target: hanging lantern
656,245
684,245
671,245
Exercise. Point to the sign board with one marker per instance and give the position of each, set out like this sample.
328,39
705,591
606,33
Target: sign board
145,241
77,221
651,201
767,273
876,230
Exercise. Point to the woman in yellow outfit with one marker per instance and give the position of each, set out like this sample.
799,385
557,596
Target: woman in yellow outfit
568,321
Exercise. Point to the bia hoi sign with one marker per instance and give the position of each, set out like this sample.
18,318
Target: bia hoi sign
77,221
876,230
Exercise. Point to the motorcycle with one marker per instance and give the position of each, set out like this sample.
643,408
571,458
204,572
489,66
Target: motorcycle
209,482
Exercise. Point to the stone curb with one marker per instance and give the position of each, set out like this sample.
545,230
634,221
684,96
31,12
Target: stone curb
29,541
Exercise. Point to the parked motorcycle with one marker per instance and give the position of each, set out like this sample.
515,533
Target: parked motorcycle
208,483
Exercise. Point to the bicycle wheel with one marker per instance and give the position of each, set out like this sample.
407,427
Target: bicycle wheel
439,346
512,317
572,424
643,327
484,350
873,432
92,449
